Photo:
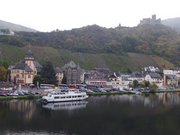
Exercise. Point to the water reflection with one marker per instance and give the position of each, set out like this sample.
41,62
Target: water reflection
27,107
24,108
66,105
146,100
114,114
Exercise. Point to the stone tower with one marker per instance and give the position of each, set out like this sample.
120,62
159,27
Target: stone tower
29,58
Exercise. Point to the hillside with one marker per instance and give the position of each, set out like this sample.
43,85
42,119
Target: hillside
174,23
119,48
116,62
15,27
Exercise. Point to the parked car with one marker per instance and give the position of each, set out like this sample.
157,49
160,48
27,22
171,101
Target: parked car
4,93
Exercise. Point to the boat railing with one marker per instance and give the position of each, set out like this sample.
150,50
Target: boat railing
63,92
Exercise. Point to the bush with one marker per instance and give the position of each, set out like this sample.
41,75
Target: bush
153,87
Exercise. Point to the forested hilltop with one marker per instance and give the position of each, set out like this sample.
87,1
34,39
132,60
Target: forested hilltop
111,46
174,23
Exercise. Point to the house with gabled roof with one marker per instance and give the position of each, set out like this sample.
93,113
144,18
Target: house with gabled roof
25,71
136,76
171,77
73,73
155,78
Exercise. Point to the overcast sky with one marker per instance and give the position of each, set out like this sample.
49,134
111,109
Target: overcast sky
48,15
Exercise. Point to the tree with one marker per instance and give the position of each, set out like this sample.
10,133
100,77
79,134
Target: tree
64,80
4,64
48,74
135,83
129,71
3,73
37,80
146,83
153,87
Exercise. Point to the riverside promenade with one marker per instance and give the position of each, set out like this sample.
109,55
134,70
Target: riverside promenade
31,93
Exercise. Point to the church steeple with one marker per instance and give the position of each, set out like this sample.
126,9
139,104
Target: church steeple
29,55
29,59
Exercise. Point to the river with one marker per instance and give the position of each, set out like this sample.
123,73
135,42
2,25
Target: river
153,114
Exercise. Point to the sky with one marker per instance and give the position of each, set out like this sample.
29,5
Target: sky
48,15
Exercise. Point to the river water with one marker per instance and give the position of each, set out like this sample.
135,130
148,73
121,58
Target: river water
154,114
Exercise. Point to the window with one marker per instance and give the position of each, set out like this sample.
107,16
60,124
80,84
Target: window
29,76
56,97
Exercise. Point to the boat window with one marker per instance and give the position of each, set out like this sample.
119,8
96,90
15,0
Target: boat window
56,105
56,97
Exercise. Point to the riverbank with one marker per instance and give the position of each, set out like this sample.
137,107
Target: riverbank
130,92
89,94
110,93
162,91
20,97
92,94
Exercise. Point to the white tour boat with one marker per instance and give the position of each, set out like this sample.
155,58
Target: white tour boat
63,96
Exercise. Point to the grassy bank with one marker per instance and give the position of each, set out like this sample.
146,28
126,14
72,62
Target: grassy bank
109,93
20,97
129,92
